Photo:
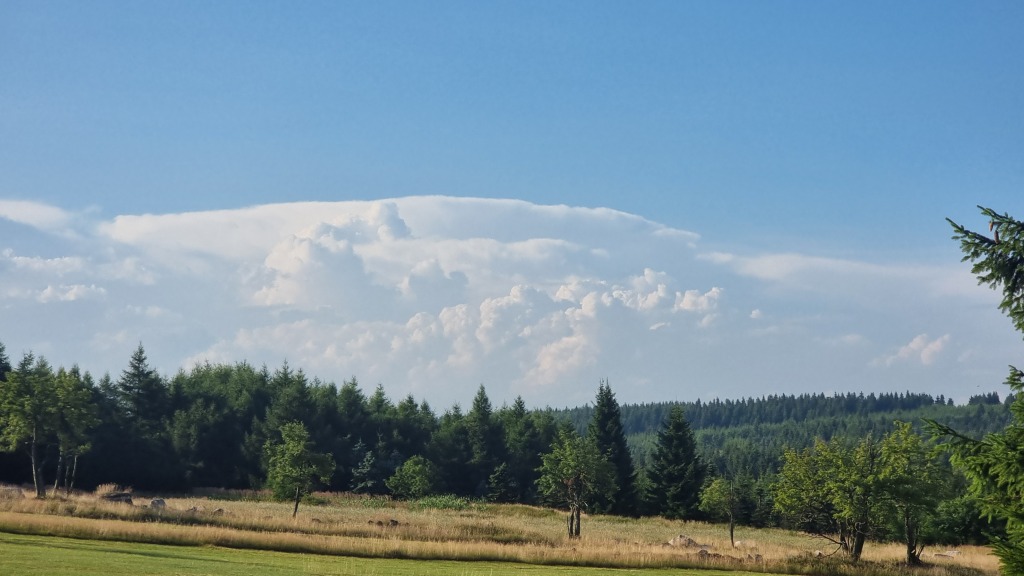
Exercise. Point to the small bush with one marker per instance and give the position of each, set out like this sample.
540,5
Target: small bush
441,502
104,489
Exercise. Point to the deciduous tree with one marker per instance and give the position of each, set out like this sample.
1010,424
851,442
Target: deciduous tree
28,411
293,465
574,472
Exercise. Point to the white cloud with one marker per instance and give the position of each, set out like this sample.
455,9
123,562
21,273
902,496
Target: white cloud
35,214
70,293
920,349
436,295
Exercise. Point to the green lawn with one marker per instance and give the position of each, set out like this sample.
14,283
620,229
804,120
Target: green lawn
52,556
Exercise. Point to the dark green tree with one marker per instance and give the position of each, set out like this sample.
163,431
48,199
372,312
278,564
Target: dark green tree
28,412
677,471
451,452
144,399
5,363
606,429
75,418
143,394
486,442
294,466
523,445
995,464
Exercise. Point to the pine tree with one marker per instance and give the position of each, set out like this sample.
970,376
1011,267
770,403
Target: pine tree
606,429
485,442
677,471
5,363
143,394
995,464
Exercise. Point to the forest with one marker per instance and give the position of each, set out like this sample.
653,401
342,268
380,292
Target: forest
229,426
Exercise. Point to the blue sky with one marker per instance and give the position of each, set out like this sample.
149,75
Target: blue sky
804,154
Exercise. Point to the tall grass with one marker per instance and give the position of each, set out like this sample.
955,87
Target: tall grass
454,529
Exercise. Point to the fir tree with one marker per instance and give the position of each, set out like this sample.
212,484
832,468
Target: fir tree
995,464
677,471
605,429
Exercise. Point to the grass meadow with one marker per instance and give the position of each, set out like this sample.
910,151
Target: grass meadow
344,534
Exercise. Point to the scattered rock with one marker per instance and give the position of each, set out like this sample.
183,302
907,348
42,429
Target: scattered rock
684,541
393,522
121,497
218,512
818,553
157,503
703,554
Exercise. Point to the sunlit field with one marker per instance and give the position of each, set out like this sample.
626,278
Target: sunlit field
455,529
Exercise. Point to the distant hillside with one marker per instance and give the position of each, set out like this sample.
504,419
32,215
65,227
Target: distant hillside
752,434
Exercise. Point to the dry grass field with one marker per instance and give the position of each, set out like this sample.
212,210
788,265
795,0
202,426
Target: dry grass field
452,529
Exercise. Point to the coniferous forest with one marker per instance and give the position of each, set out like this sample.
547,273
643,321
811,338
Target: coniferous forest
220,426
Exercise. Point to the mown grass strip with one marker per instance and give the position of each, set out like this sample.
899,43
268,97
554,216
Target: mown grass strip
56,556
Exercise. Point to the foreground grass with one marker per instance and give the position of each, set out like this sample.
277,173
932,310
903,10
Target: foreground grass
357,527
55,556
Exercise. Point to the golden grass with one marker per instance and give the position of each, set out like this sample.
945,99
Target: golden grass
356,526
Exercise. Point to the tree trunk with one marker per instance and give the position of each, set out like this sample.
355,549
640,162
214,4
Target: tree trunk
60,470
69,477
858,546
732,531
913,552
298,496
573,522
37,473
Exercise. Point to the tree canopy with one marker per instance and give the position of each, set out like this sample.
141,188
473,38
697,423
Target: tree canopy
995,463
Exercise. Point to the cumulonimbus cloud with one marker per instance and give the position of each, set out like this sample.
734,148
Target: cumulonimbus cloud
436,295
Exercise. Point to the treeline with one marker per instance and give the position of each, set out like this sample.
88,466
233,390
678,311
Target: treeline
751,435
220,425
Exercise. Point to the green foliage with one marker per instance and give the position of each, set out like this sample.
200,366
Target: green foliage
575,472
913,485
995,464
847,494
606,430
442,502
525,439
293,466
677,471
28,412
832,490
486,443
720,500
75,418
415,478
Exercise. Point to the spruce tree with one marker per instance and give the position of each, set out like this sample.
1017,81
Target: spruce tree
605,429
677,471
995,464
